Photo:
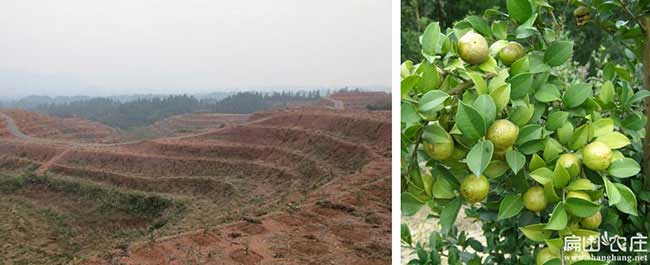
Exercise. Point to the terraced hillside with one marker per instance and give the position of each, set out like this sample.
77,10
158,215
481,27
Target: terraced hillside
290,186
195,122
68,129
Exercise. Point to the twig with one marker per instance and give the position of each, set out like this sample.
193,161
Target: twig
637,19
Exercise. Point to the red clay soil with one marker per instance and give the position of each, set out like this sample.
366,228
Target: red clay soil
345,221
319,179
48,127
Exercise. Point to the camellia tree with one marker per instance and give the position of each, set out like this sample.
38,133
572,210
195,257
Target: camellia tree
495,118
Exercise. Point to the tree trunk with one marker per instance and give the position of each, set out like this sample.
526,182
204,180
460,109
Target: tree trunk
645,26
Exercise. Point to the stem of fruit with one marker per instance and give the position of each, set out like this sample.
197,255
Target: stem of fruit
645,25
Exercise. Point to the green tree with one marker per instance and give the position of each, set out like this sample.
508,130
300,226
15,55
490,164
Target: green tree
497,115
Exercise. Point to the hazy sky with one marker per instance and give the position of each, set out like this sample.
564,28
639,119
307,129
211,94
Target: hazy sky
94,47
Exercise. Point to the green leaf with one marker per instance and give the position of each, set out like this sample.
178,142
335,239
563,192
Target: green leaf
521,113
431,38
565,133
614,140
528,133
496,168
536,162
580,137
576,94
639,96
624,168
510,206
489,66
542,175
430,77
581,184
605,94
556,120
501,96
612,192
500,30
634,122
479,82
581,208
520,85
628,203
407,85
602,127
470,122
408,114
480,25
449,213
559,218
515,160
536,232
560,176
479,156
440,170
519,66
406,234
435,134
432,101
519,10
487,108
442,189
410,204
548,93
558,52
552,149
550,193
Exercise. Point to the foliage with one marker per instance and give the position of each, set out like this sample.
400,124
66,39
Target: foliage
145,111
560,112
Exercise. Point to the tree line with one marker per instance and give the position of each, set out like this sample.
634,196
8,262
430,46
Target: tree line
143,112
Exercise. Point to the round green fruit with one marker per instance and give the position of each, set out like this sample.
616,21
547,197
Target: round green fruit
592,222
503,134
473,48
474,189
597,156
511,53
578,194
543,256
534,199
571,163
440,151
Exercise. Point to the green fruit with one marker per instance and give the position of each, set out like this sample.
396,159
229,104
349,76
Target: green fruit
571,163
511,53
473,48
499,154
543,256
503,134
534,199
575,256
592,222
597,156
474,189
578,194
440,151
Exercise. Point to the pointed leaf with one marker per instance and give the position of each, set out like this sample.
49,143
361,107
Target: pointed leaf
478,158
510,206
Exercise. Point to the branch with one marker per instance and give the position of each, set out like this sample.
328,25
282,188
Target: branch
627,10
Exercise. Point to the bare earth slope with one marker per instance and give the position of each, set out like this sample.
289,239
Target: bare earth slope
289,186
